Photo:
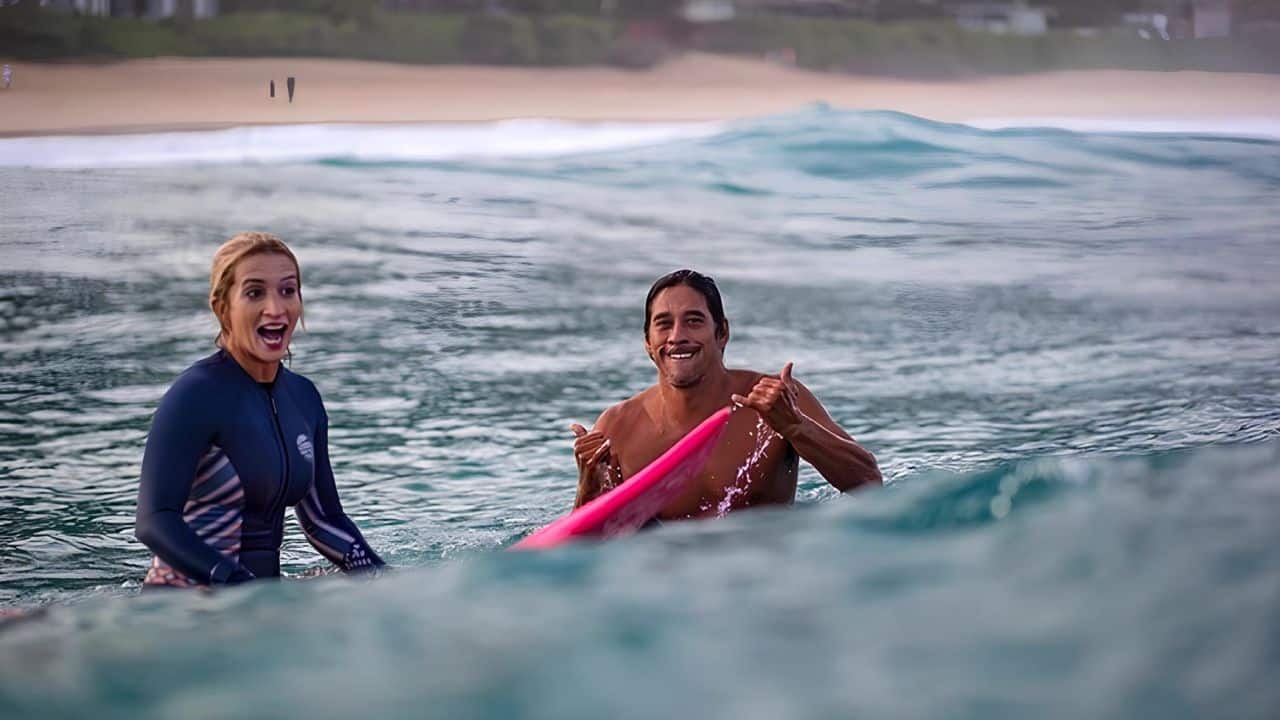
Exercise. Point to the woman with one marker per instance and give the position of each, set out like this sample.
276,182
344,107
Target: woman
238,437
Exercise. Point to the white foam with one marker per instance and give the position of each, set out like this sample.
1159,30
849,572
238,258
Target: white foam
1254,127
510,138
367,143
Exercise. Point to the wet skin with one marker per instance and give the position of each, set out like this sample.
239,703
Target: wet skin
776,422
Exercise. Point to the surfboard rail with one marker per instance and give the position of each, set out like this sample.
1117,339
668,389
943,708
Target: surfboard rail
629,506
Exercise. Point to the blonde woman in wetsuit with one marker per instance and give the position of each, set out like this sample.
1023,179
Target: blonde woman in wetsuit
239,437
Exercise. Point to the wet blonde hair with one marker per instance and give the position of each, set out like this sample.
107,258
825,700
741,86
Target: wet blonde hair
223,274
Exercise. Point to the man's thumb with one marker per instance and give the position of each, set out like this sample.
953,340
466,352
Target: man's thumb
785,375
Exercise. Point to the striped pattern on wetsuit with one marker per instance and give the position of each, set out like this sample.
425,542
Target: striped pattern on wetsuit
344,548
215,512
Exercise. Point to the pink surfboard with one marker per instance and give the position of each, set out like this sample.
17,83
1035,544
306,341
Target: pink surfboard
635,502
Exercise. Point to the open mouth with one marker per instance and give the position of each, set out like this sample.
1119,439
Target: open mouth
682,354
273,335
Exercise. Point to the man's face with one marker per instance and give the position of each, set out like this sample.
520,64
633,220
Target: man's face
682,340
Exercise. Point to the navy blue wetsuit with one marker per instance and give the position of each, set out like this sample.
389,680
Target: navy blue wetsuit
225,456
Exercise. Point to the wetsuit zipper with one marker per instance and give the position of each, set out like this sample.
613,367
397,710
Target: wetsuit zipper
284,451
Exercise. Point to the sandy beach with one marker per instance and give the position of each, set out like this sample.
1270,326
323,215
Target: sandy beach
200,93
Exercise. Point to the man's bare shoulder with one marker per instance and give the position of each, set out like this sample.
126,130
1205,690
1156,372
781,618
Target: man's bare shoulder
626,413
744,378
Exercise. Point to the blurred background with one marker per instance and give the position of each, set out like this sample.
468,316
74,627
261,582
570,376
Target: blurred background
911,38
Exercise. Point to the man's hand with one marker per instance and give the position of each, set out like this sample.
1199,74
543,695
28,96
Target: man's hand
589,449
775,399
597,470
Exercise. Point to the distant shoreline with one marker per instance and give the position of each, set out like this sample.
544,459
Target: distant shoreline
182,94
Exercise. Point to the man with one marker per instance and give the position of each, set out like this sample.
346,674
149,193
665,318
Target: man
776,420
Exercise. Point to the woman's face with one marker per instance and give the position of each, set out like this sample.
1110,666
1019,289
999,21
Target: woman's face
263,306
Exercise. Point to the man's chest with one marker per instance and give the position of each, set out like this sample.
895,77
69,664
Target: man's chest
750,464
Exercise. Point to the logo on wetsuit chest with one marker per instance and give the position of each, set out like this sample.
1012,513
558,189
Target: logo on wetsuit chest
304,447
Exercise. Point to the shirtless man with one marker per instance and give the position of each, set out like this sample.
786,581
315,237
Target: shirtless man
776,420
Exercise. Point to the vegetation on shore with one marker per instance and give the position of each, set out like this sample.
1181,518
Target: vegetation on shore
363,30
939,48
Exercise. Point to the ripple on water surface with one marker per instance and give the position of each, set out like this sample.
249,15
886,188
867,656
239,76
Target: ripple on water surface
1037,333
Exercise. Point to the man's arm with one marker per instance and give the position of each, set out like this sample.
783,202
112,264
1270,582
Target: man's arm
829,449
796,414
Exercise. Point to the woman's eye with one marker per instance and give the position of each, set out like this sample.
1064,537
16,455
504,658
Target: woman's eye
253,294
289,292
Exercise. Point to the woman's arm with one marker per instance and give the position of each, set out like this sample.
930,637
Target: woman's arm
180,435
327,527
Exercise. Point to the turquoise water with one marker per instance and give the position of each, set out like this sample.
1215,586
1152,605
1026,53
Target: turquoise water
1062,348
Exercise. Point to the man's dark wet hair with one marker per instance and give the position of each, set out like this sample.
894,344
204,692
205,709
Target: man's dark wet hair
696,280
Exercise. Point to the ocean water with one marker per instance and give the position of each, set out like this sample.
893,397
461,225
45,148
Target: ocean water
1062,346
